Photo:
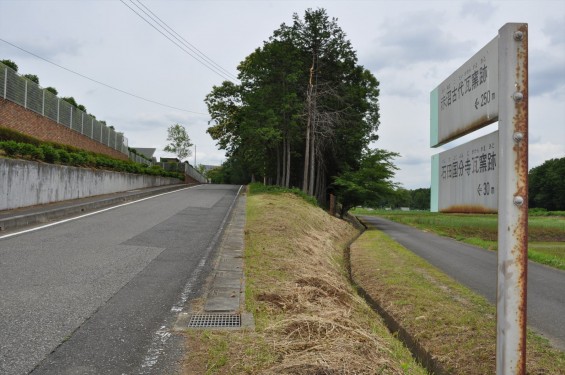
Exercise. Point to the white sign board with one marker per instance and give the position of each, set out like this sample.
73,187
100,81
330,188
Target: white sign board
468,99
490,173
467,178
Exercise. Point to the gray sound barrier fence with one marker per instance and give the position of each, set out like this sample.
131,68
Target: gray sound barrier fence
30,95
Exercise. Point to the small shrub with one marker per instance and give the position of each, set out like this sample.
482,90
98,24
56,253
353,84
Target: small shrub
64,156
38,154
27,149
77,158
11,148
89,159
105,162
156,170
50,155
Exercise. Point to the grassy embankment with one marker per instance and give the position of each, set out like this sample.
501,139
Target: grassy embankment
546,233
309,320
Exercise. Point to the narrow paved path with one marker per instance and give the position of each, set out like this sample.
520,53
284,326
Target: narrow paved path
97,295
476,268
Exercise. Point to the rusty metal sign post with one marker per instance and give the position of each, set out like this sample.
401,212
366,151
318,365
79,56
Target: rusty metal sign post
512,200
491,86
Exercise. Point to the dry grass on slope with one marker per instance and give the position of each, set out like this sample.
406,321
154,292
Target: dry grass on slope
308,318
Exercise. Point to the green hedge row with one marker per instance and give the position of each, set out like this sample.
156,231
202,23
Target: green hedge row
17,145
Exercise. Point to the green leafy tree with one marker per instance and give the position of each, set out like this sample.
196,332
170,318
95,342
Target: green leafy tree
367,185
201,168
32,78
304,110
70,100
338,102
547,185
52,90
420,199
10,64
179,142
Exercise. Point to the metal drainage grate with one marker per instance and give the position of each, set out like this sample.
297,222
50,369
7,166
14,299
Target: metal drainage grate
215,321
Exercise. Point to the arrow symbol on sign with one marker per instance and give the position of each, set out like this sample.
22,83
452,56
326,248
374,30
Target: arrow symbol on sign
477,103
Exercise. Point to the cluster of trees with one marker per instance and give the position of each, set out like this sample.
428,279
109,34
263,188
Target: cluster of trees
303,114
547,185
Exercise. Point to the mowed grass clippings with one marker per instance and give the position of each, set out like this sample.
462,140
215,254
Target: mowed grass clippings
453,324
308,319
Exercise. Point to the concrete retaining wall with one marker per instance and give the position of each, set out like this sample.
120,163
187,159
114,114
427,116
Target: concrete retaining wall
27,183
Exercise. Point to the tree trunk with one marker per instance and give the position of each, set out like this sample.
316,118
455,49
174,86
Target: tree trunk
279,169
306,158
309,124
287,180
321,185
312,176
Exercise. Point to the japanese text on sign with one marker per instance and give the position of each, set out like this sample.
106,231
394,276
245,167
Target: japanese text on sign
468,175
468,82
467,99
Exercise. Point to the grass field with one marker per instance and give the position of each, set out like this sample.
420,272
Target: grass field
546,234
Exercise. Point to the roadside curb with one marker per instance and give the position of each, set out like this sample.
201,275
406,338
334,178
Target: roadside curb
224,299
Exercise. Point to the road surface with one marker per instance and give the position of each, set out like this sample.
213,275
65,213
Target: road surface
97,295
476,268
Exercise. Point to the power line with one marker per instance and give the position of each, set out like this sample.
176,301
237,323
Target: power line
187,43
200,60
101,83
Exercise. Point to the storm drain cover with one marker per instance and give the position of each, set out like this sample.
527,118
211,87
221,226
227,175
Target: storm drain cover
215,321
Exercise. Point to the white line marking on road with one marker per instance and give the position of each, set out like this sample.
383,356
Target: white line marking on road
160,337
89,214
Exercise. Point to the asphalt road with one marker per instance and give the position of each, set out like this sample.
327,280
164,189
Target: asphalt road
476,268
97,295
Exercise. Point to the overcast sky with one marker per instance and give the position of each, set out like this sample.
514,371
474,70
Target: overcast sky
410,46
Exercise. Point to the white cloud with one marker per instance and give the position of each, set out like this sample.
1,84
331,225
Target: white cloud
554,28
415,37
477,10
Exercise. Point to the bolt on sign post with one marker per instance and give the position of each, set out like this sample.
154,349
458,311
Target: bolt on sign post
490,174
